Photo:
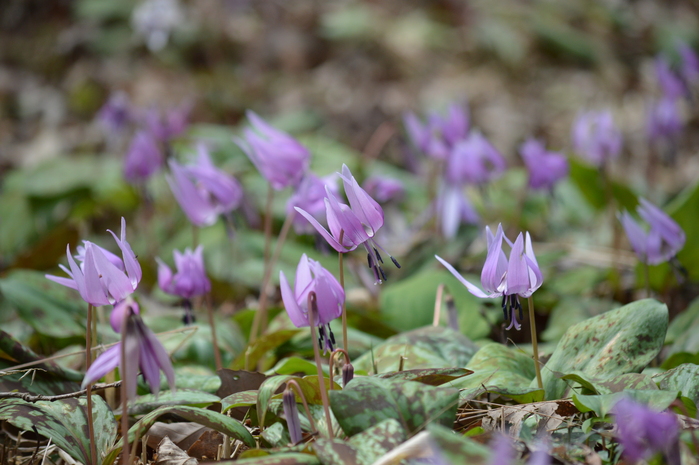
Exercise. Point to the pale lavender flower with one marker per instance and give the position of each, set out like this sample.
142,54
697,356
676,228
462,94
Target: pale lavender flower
474,160
596,137
664,120
291,412
144,158
503,451
690,63
190,279
644,432
454,126
384,189
203,191
310,197
354,224
545,168
311,277
280,158
143,351
169,124
437,137
663,239
518,277
99,279
454,208
670,83
155,20
115,114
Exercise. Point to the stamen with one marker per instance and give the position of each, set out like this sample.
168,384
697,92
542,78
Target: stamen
370,260
383,274
378,255
395,262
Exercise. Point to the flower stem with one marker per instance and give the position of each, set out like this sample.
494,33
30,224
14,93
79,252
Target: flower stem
313,313
195,237
535,344
438,305
214,339
124,394
340,255
646,270
260,320
88,362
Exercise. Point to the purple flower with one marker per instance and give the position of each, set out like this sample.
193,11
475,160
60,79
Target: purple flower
115,114
595,137
144,157
520,276
662,241
454,208
280,158
100,279
670,83
354,224
644,432
291,412
143,351
503,450
170,124
384,189
690,63
203,191
436,138
190,279
474,160
311,277
664,121
545,168
310,196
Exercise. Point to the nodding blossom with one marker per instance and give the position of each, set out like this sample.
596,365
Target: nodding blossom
280,158
663,239
203,191
670,83
596,137
102,279
144,158
437,137
310,196
354,224
143,352
190,278
644,432
115,114
311,277
664,121
169,124
545,168
384,189
510,279
474,160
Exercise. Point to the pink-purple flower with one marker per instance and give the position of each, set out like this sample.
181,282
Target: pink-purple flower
100,279
664,121
115,114
663,239
454,208
144,157
384,189
143,351
437,137
169,124
545,168
474,160
510,279
203,191
670,83
280,158
644,432
311,277
596,137
310,197
190,278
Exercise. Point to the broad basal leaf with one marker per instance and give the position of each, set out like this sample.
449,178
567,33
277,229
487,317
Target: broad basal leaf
363,448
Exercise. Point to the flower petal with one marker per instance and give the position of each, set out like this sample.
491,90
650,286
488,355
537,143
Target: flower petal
364,207
296,314
471,288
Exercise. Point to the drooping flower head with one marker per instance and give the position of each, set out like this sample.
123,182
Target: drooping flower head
384,189
115,114
664,121
143,352
474,160
203,191
670,83
354,224
310,197
144,158
545,168
100,279
663,239
596,137
454,208
311,277
689,68
280,158
169,124
510,279
644,432
437,137
190,279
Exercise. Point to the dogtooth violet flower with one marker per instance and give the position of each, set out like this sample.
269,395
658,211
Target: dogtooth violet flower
143,351
190,279
100,279
144,158
115,114
354,224
670,83
202,190
168,124
595,136
644,432
545,168
689,67
663,239
310,196
280,158
510,279
384,189
454,208
436,138
664,121
474,160
311,277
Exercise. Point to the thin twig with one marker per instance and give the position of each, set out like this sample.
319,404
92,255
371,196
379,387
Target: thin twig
27,397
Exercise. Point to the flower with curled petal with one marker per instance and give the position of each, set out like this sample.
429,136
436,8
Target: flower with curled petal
310,197
190,279
663,239
644,432
474,160
510,279
545,168
596,137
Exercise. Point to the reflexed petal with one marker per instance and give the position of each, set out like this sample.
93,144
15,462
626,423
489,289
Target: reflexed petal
517,269
164,276
199,210
323,232
67,282
131,265
637,236
367,210
329,307
303,275
95,287
102,365
471,288
668,229
296,314
535,277
117,284
495,265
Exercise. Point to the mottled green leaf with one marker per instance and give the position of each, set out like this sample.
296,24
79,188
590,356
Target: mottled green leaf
456,448
276,435
239,399
184,379
367,401
292,366
620,383
64,422
684,378
265,393
149,402
261,346
593,187
431,376
602,404
620,341
363,448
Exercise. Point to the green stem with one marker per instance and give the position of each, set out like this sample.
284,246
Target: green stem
214,339
124,394
312,312
646,270
88,362
535,344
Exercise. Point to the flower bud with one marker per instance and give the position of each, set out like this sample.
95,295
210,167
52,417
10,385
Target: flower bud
291,413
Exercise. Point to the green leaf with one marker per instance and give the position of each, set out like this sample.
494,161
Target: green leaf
364,448
265,393
368,401
456,448
292,365
276,435
239,399
620,341
620,383
683,332
276,459
261,346
209,418
592,185
64,422
149,402
603,404
684,378
431,376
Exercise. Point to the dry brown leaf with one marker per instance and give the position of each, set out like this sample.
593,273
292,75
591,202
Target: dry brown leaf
183,435
510,417
170,454
206,447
